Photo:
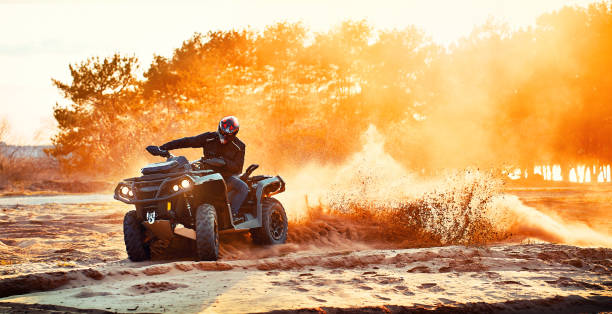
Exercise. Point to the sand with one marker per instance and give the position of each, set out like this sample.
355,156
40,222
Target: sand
448,276
72,255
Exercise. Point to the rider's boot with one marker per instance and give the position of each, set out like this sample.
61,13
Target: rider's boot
237,217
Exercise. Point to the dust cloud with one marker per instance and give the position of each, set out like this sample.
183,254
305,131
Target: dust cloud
372,199
527,222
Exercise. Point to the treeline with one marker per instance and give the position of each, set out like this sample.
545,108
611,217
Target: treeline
496,97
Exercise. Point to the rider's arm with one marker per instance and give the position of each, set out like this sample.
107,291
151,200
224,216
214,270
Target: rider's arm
186,142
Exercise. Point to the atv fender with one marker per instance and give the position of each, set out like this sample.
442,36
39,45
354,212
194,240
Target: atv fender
211,189
267,188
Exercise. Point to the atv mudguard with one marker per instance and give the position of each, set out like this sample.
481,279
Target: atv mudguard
211,189
265,188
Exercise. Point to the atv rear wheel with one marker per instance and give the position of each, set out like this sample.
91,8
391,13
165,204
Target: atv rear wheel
207,233
274,224
133,235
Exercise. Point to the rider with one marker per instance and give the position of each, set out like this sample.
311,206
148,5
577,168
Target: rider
225,145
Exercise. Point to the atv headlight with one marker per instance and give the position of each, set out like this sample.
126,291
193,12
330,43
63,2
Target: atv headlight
185,183
175,188
125,190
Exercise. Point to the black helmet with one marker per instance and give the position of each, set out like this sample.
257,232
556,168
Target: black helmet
228,128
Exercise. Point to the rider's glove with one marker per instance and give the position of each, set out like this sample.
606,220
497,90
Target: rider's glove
163,147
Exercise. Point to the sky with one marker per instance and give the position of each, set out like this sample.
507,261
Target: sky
39,39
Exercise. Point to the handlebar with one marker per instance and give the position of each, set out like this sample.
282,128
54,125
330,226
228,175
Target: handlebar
213,162
156,151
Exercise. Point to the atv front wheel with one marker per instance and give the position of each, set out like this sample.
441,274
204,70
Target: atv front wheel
207,233
274,224
133,235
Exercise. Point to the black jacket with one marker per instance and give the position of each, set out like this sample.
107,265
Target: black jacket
232,153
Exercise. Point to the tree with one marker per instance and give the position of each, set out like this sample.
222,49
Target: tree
100,124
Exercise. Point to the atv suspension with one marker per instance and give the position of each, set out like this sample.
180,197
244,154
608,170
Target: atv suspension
187,204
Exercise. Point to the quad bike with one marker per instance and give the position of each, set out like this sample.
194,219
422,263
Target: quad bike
178,197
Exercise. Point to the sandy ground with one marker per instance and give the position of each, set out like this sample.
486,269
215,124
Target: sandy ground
73,256
49,237
426,277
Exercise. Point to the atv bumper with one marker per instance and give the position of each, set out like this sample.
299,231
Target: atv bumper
149,200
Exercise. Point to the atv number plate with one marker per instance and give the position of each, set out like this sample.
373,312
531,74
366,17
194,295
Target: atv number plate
151,217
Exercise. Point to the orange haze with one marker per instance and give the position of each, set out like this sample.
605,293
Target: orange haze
497,98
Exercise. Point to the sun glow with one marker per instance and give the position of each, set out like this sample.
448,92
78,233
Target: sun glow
36,51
